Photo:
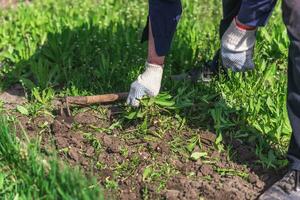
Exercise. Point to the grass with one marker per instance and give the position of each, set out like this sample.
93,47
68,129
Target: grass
57,48
27,174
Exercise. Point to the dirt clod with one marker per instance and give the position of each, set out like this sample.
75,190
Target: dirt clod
206,170
172,194
14,96
74,154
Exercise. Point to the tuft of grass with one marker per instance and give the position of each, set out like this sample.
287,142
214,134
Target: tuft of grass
27,174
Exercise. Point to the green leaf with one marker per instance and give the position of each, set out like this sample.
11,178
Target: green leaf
197,155
191,146
218,142
36,94
1,181
270,104
219,139
131,115
140,114
27,83
16,197
164,103
22,110
151,102
144,126
147,172
164,96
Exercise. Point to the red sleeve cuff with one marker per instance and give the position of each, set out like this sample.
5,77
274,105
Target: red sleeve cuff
243,26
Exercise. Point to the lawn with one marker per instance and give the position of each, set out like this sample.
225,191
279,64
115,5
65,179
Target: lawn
224,139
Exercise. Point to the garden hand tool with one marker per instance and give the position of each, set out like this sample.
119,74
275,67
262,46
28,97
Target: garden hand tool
205,73
65,103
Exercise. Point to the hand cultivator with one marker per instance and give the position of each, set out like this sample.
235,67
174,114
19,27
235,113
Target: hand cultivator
65,103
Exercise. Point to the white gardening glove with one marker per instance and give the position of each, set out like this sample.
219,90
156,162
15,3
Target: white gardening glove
237,48
148,83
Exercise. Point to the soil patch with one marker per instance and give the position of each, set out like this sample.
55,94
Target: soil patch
133,166
12,97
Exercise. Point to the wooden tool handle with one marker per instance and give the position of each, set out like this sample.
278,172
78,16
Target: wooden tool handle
105,98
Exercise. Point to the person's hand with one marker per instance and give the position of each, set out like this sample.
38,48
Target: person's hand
237,47
148,83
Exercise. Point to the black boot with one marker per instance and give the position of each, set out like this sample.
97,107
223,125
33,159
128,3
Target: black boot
211,69
288,188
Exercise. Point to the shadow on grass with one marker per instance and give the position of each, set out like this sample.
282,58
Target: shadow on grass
86,58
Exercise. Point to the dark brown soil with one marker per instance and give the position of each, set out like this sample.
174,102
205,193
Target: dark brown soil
12,97
191,180
120,159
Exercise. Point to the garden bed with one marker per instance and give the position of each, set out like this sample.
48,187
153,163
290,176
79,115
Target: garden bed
151,166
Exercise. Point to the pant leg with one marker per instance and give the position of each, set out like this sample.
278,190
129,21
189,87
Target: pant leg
291,17
256,12
230,10
164,16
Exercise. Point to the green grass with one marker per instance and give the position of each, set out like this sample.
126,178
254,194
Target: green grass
25,173
77,47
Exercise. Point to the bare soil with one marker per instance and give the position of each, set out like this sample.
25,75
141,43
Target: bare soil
13,96
191,180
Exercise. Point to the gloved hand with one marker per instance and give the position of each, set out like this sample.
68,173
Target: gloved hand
148,83
237,47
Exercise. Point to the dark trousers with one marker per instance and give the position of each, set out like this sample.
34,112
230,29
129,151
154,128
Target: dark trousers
291,17
250,12
230,10
163,16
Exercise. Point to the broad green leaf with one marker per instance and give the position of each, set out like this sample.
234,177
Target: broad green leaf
144,125
197,155
1,181
131,115
147,172
23,110
140,114
151,102
164,103
27,83
219,139
190,147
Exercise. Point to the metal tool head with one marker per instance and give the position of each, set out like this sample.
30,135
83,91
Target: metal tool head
65,115
205,73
